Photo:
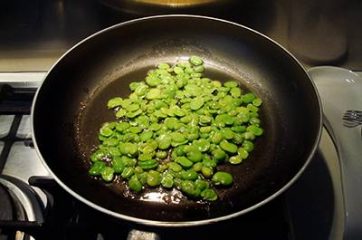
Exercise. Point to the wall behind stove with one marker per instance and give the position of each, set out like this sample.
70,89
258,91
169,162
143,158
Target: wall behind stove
35,33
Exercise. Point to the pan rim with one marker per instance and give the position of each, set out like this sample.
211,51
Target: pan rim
157,223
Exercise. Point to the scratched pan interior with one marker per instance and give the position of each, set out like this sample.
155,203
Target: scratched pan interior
71,106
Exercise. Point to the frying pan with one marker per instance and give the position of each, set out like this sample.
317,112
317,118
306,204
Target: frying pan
70,106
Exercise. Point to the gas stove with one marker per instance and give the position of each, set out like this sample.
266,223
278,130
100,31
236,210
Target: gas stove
34,34
35,207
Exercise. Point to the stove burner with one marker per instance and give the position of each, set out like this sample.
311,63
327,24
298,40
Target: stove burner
20,210
6,207
10,210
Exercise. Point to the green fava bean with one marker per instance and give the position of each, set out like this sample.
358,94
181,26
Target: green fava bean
217,137
179,150
167,181
148,164
106,131
248,98
249,135
235,159
189,188
231,84
146,136
118,165
142,177
98,155
207,171
127,161
243,153
114,102
161,154
164,141
255,121
257,131
128,148
195,60
235,92
153,178
153,93
135,184
257,102
133,114
132,107
177,182
201,184
189,175
121,113
178,70
208,162
174,166
177,139
227,133
153,81
209,195
161,168
163,66
222,178
229,147
141,90
238,129
199,69
134,130
194,155
196,103
138,170
97,168
149,147
202,145
205,119
127,172
205,129
107,174
111,142
183,161
248,145
114,151
219,155
197,166
133,85
122,126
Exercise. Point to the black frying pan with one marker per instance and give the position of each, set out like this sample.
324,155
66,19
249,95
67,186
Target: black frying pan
70,107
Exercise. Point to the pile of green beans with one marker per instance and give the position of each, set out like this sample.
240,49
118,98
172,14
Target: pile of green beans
175,129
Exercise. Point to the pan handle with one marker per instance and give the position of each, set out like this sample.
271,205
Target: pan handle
349,148
135,234
340,90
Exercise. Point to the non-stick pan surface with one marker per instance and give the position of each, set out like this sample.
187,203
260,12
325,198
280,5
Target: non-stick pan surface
70,107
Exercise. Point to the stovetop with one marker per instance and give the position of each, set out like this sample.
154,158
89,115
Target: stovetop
48,211
34,34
